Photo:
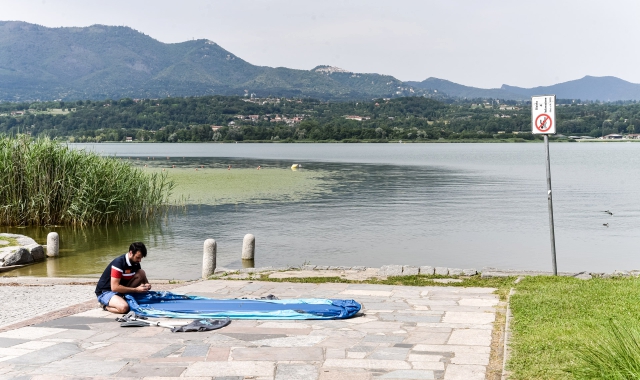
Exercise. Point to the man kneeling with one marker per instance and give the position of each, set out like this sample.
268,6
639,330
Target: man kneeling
124,275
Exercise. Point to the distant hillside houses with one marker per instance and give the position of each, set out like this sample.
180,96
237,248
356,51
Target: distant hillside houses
288,119
356,117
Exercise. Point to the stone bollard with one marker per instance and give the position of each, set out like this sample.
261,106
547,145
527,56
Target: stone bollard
248,247
209,258
53,244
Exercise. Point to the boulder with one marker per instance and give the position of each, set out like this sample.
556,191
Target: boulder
455,272
469,272
37,251
22,240
18,256
26,252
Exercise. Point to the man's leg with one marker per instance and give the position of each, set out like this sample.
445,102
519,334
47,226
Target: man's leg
117,305
138,279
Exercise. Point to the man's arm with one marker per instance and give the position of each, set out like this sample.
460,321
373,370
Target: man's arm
118,288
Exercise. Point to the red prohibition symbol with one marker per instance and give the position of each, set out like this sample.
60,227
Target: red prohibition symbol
543,122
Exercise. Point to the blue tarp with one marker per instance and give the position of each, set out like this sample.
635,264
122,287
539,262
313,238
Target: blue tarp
170,305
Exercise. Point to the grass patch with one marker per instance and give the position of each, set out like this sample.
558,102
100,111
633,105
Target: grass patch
615,356
12,241
43,182
221,186
502,284
555,319
309,280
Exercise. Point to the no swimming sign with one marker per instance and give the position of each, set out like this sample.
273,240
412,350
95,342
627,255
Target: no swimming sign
543,114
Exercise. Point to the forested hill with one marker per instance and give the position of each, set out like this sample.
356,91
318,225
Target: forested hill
113,62
233,118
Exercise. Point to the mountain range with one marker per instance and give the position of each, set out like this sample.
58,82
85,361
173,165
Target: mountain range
100,62
607,89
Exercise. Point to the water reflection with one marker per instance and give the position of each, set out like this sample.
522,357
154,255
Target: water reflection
87,250
363,201
464,206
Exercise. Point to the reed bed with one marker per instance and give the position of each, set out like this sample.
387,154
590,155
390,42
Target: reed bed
43,182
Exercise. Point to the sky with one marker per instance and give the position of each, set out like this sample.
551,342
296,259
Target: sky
476,43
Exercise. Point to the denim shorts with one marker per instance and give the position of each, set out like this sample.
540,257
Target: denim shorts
105,297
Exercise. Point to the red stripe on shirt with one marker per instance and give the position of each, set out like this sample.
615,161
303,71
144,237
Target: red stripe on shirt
115,272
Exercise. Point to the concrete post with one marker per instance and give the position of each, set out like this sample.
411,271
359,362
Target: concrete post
209,258
248,247
53,244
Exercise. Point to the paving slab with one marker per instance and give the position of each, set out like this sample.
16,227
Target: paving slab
401,333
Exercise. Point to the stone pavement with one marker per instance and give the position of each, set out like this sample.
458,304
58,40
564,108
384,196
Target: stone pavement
24,302
402,333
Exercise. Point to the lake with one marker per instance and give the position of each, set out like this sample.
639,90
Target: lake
455,205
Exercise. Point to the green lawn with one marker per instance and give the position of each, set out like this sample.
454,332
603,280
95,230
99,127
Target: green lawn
555,317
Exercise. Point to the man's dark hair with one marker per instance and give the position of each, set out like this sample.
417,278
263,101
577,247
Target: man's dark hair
138,247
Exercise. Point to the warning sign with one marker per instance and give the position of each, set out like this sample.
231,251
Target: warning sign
543,114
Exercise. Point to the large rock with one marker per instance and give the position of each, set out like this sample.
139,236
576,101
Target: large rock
26,252
22,240
18,256
37,251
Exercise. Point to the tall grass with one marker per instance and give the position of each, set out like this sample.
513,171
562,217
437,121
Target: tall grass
615,355
43,182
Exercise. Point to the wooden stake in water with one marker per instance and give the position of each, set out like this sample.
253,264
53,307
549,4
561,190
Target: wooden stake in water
550,201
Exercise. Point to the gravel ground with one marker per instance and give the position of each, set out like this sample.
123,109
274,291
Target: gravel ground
20,302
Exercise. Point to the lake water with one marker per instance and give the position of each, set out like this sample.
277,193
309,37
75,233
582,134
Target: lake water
455,205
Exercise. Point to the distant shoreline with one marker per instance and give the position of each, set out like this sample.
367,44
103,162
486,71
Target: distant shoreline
317,142
466,141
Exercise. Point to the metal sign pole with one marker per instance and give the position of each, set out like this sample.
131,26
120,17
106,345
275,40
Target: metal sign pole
550,199
543,122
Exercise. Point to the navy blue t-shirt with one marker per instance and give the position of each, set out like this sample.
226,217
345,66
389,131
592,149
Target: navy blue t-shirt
120,268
